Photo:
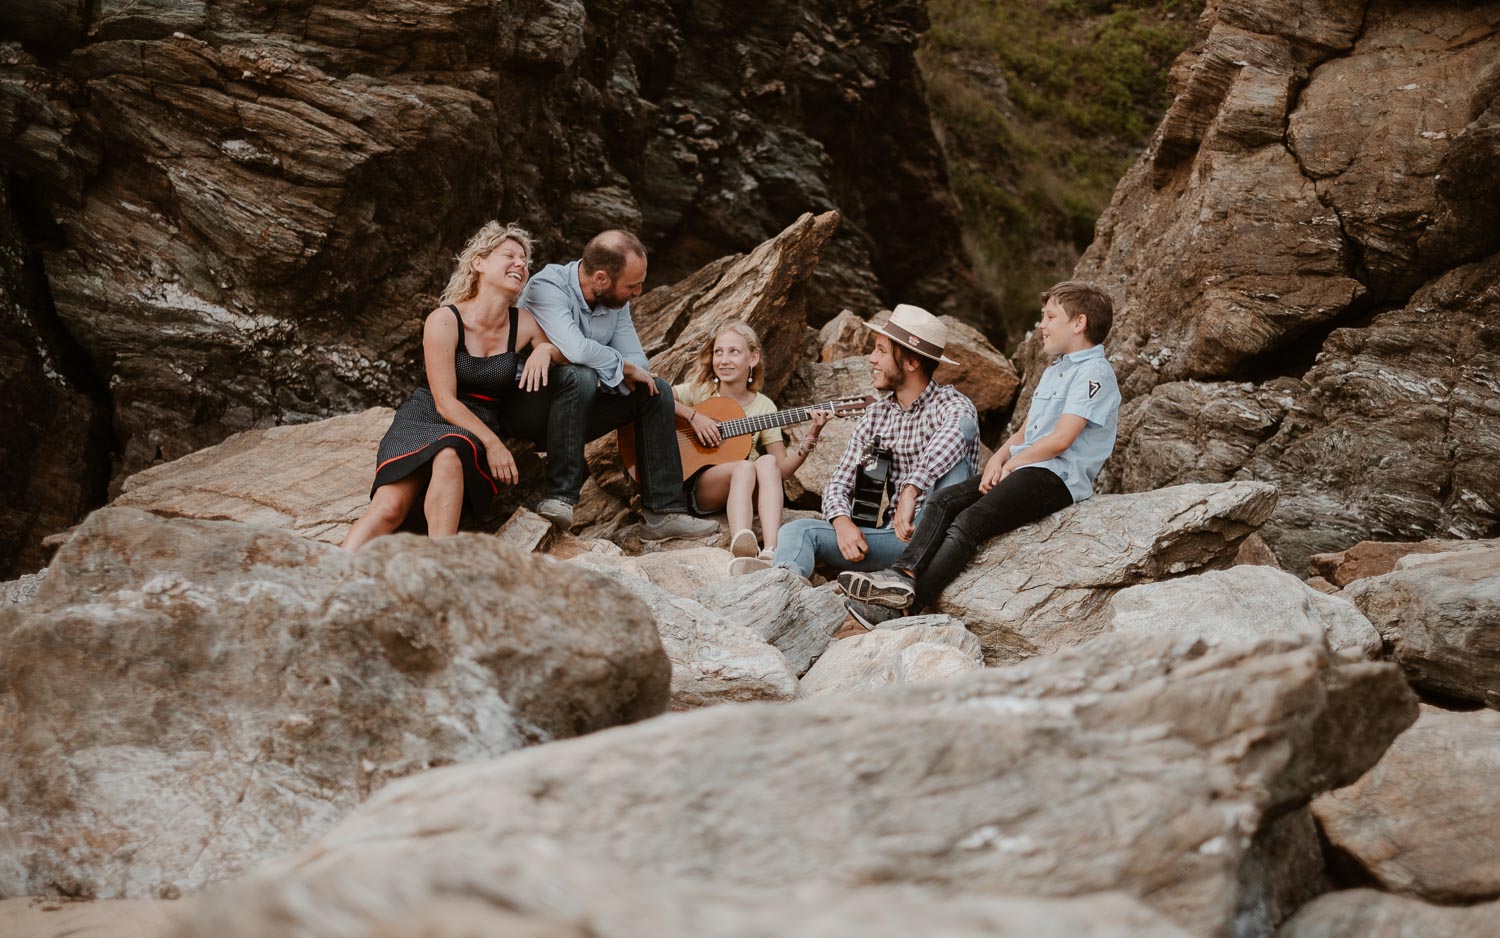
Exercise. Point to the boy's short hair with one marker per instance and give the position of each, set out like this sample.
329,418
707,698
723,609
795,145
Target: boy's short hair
1085,299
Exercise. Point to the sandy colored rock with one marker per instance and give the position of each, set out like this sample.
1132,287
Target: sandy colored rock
782,609
843,336
916,654
1366,913
678,569
20,589
185,698
25,917
1439,618
714,660
527,531
1374,558
1243,602
1163,756
1254,551
1050,583
1421,822
983,372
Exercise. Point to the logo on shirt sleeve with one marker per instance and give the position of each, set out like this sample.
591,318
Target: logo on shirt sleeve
1094,387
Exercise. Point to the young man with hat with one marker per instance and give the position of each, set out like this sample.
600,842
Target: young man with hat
1046,465
932,431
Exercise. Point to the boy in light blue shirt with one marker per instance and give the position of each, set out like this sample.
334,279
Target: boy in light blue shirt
1047,464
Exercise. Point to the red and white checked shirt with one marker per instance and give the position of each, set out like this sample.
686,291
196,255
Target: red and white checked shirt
925,442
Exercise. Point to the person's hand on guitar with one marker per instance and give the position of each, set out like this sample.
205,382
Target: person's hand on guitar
706,429
852,542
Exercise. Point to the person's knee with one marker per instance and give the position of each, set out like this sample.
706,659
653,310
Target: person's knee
969,428
743,474
447,464
388,508
578,380
766,466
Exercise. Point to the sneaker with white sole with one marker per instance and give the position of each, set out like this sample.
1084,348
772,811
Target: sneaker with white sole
557,511
740,566
890,588
659,527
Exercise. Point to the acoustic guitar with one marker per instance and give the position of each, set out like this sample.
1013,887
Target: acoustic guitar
734,429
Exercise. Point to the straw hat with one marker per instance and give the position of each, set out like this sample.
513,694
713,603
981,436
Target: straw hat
915,328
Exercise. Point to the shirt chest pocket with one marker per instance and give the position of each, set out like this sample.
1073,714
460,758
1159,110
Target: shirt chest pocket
1046,406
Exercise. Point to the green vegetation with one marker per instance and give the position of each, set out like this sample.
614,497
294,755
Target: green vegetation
1041,106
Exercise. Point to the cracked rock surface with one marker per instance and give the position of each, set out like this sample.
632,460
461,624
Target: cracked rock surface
1305,262
1136,765
186,698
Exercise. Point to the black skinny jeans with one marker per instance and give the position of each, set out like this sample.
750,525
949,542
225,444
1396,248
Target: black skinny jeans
957,520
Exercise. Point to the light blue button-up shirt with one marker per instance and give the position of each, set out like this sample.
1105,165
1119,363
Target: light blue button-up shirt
1081,383
601,337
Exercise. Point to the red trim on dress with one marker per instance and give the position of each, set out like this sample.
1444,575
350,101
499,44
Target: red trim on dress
494,489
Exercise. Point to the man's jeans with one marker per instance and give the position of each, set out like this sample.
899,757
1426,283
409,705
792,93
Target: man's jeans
573,410
808,542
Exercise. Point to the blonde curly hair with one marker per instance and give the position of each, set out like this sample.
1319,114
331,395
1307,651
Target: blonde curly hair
705,372
465,280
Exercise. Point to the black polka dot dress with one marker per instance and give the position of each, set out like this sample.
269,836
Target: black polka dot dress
418,432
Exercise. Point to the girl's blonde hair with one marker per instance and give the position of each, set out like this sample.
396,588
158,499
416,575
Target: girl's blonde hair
705,374
465,280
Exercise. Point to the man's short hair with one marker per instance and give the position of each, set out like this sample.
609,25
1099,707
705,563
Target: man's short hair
609,250
900,354
1085,299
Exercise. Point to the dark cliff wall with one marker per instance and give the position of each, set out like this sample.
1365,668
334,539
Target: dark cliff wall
251,204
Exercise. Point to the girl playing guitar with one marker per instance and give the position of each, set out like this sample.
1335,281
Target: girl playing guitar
729,366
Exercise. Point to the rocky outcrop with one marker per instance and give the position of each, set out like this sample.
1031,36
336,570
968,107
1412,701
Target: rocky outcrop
185,698
1050,583
1304,274
1243,602
1375,558
714,660
1439,614
1164,757
915,654
1422,822
252,211
779,606
1363,913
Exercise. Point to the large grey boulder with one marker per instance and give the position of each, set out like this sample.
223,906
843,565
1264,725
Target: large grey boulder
714,660
1366,913
1440,615
1143,765
782,609
1243,602
1050,583
186,698
1422,822
916,654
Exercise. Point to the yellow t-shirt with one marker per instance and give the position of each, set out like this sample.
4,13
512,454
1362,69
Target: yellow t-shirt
694,393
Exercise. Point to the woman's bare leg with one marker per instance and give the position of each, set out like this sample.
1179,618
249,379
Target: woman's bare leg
388,508
445,494
769,498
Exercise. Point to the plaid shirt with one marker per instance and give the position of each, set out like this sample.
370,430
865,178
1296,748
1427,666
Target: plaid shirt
925,442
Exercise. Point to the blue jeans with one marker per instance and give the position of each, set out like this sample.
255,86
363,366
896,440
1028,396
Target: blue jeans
808,542
572,410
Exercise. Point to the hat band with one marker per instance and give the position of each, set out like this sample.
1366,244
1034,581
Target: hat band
913,341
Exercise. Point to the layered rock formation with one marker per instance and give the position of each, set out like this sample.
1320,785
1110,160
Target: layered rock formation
251,210
1305,259
185,698
1143,766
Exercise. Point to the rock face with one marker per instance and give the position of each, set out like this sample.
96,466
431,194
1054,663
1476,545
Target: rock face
1136,765
1050,583
1316,215
185,698
778,606
1243,602
1374,558
916,654
714,660
1422,822
1365,913
252,212
1440,616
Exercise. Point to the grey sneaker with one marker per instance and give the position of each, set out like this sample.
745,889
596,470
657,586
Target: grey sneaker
871,616
658,527
890,588
557,511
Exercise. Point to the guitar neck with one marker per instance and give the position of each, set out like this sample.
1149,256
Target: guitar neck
780,418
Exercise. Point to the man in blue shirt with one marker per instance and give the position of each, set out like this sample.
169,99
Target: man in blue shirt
584,307
1047,464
